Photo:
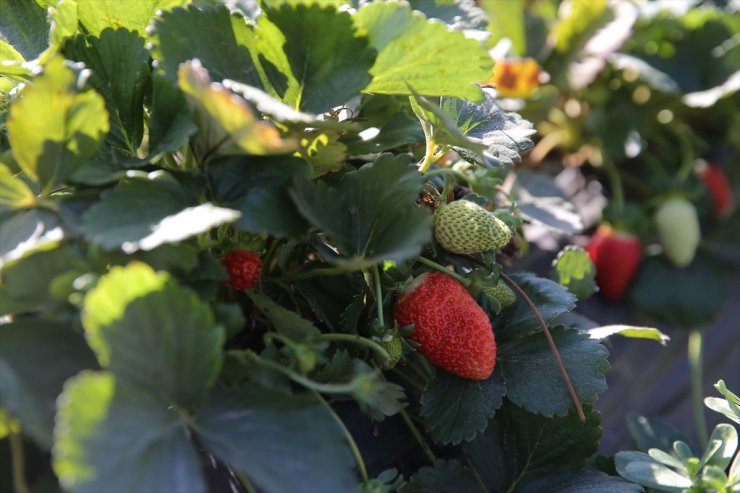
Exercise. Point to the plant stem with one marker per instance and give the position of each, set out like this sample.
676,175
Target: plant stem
359,340
551,342
19,462
443,269
417,435
328,388
696,341
476,476
378,295
350,439
246,483
616,184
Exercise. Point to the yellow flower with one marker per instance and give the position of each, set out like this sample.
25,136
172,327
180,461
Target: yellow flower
515,78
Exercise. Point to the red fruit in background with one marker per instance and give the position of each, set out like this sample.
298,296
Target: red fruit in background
452,331
718,185
243,267
616,256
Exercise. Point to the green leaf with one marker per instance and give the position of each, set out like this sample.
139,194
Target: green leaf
729,406
150,332
583,481
643,469
457,409
111,433
120,73
458,15
518,447
285,321
258,188
442,477
23,26
726,435
507,20
14,193
97,15
36,357
280,442
323,151
376,396
53,128
670,295
24,231
321,51
230,52
226,122
371,214
64,20
551,298
414,53
533,380
630,331
505,135
445,129
165,213
171,122
573,269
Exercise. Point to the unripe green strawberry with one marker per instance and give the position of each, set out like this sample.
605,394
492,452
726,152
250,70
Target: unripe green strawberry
678,229
391,342
465,227
502,293
452,331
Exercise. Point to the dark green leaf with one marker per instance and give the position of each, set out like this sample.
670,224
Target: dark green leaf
329,296
533,380
150,332
120,73
628,331
371,214
573,269
328,60
457,409
442,477
165,213
95,16
653,433
36,357
258,188
280,442
581,482
459,15
112,433
27,230
54,128
23,25
285,321
518,447
171,123
414,53
671,295
551,298
226,55
505,135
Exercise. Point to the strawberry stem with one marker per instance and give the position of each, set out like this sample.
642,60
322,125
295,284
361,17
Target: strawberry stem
19,462
328,388
378,295
348,437
359,340
696,340
417,435
441,268
553,347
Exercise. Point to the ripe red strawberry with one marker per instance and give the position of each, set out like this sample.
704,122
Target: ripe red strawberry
452,331
243,267
616,256
715,180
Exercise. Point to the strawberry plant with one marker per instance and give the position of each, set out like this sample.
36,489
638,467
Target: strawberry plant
209,219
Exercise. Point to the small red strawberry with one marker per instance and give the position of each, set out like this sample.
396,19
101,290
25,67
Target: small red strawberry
452,331
243,267
617,256
715,180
